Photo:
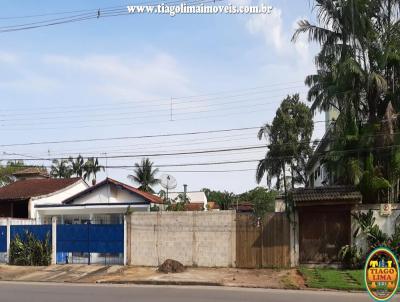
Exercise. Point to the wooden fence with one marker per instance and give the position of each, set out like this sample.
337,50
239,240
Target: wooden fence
264,244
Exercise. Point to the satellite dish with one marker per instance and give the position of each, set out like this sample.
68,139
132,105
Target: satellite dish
168,182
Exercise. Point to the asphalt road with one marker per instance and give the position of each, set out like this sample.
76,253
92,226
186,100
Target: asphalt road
45,292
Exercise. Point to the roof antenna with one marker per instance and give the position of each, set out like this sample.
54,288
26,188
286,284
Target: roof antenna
98,13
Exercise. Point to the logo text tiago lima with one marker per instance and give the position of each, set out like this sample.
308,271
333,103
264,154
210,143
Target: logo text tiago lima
382,274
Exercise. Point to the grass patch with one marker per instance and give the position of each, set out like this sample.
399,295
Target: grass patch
333,278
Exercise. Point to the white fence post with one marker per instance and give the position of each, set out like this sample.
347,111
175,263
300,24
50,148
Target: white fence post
8,239
54,240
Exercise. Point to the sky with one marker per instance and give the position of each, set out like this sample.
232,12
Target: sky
117,77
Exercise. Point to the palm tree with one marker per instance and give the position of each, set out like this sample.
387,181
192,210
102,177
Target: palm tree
77,165
145,175
61,169
358,73
357,61
91,168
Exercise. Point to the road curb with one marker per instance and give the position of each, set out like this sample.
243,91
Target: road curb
162,282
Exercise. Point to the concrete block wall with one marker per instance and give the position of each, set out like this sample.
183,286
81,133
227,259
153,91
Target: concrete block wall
204,239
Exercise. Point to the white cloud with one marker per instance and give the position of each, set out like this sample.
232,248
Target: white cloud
121,77
271,28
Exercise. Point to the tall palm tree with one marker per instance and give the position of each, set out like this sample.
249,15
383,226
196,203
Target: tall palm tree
91,168
357,57
358,73
61,169
77,165
145,175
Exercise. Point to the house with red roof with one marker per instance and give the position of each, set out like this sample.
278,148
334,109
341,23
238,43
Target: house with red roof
106,202
34,187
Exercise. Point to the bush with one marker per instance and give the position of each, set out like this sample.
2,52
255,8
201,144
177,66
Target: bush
351,256
30,251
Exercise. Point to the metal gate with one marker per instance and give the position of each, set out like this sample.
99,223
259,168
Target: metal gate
90,243
3,239
41,232
323,231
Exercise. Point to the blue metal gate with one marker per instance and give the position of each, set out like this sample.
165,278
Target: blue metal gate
3,239
41,232
88,239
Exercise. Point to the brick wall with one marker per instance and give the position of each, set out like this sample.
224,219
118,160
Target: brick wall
205,239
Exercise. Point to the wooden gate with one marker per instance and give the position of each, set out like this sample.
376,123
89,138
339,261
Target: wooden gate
264,244
323,231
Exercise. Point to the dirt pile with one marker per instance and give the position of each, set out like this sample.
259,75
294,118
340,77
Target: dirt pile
171,266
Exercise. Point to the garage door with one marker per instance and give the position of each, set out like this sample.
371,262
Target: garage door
323,231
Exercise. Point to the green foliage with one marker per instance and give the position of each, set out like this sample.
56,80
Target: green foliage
182,198
366,225
145,175
372,182
288,140
351,256
177,207
60,169
155,208
90,168
223,199
374,235
358,74
263,200
129,211
30,251
7,171
76,167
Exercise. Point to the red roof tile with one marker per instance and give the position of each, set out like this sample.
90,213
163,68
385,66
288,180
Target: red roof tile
194,206
25,189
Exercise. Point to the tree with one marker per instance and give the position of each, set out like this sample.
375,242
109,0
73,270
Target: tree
359,62
223,199
77,165
288,139
145,175
91,168
262,199
61,169
358,73
7,171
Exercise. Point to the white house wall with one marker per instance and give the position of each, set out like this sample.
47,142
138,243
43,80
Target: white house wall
55,198
108,194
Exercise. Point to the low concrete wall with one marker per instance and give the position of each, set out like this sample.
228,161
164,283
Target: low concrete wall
205,239
386,223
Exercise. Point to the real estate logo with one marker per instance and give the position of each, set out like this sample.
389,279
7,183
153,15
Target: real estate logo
381,274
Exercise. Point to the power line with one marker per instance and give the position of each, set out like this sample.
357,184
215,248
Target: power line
135,137
209,171
154,155
158,102
128,137
83,17
102,125
124,112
